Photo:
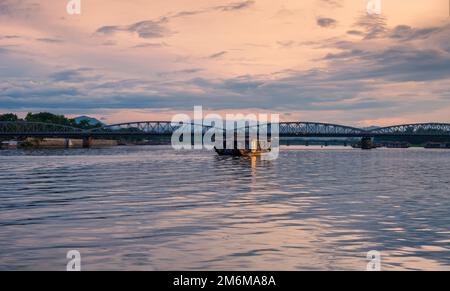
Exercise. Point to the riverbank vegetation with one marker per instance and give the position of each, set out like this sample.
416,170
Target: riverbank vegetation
47,117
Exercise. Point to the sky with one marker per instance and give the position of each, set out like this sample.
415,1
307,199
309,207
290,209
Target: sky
309,60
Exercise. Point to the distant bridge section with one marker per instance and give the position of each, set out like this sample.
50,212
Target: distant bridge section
419,129
37,129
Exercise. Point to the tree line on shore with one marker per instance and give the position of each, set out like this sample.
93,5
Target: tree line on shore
47,117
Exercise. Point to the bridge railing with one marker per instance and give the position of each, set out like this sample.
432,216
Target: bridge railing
150,127
35,127
286,128
439,129
308,128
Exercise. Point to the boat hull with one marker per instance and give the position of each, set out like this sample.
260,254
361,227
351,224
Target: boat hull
241,152
228,152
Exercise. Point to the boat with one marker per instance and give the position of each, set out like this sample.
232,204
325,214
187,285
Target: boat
437,145
12,144
365,144
228,152
256,149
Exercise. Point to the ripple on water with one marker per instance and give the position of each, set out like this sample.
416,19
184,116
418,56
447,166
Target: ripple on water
151,208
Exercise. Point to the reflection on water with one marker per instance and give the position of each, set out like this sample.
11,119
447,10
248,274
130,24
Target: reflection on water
150,208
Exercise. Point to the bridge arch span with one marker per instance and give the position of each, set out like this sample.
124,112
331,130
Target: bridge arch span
157,127
414,129
319,128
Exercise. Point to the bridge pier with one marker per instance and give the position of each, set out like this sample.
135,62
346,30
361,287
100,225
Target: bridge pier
87,142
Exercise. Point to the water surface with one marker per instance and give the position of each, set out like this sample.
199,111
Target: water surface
151,208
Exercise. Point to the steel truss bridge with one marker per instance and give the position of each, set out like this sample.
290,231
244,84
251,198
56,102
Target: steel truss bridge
166,128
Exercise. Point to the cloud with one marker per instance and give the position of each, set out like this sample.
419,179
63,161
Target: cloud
326,22
286,44
284,13
394,64
50,40
181,72
151,45
144,29
13,8
357,77
333,3
400,54
149,29
188,13
365,71
355,32
16,96
373,25
217,55
236,6
109,43
9,37
74,75
157,28
406,32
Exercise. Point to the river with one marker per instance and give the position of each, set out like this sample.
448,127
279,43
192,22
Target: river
153,208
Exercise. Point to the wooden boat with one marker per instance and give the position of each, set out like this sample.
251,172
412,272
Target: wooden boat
365,144
255,150
228,152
